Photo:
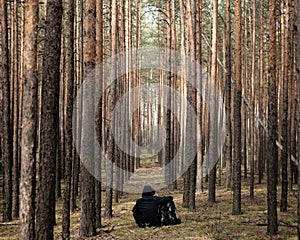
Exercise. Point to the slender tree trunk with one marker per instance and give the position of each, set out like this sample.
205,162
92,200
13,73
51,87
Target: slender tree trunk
29,123
112,100
261,98
168,94
99,114
228,146
191,126
298,102
87,181
253,94
214,79
7,154
284,116
272,160
199,97
50,118
16,147
69,68
292,123
237,110
77,80
137,119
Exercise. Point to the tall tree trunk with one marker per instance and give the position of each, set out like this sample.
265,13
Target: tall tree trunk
50,118
78,79
7,154
292,121
199,53
168,94
112,101
214,79
16,146
237,110
228,146
29,123
137,117
87,181
191,126
284,116
253,94
298,104
272,160
99,114
261,154
69,69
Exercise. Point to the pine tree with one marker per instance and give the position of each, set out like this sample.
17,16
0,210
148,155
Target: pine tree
29,123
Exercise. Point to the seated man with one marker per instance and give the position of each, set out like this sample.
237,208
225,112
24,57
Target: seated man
152,210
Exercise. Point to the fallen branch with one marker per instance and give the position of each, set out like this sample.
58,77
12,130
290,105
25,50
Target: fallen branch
281,223
9,224
285,224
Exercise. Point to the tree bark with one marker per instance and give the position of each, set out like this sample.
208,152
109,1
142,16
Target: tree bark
29,123
111,104
237,110
16,90
284,116
69,68
87,181
228,143
272,160
261,154
99,114
50,118
214,80
7,154
298,104
253,94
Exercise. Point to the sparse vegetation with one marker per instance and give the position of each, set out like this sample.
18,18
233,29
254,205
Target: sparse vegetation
207,222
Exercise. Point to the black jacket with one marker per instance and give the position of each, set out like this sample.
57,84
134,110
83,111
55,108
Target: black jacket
146,208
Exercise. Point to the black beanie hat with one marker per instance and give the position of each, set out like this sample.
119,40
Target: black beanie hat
148,191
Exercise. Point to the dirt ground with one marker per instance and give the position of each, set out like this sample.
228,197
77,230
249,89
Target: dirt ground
207,222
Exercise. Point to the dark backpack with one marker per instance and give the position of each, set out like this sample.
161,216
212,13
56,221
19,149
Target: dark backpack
167,214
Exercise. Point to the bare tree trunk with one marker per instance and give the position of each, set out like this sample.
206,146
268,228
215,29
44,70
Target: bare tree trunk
292,121
78,79
272,160
298,107
199,5
137,117
99,114
284,116
237,111
191,126
29,123
253,94
168,94
69,69
261,154
7,154
50,118
228,146
16,146
87,181
214,79
111,104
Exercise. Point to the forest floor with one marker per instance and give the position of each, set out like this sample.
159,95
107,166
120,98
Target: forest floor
207,222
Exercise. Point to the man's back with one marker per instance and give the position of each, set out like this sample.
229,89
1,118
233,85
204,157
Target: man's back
146,209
